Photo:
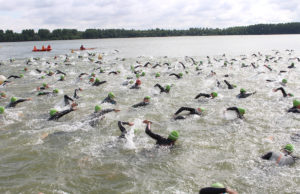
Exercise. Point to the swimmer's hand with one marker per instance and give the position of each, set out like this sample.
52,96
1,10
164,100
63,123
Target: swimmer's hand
130,123
147,122
117,110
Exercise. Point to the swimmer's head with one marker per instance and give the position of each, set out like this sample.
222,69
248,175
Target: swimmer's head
289,148
13,99
138,82
111,95
296,103
53,112
97,108
214,94
242,90
2,109
242,111
174,135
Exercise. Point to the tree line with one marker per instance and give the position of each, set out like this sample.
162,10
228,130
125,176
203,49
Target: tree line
70,34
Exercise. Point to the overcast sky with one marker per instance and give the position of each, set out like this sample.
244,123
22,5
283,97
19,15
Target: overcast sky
143,14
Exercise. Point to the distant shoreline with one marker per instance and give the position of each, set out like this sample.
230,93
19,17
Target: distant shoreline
73,34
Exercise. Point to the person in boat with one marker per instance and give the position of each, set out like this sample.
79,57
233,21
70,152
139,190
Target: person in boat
166,90
82,47
122,128
283,92
145,102
49,48
216,188
110,98
14,101
243,93
239,111
55,115
212,95
43,48
296,107
192,111
161,141
284,157
137,85
98,113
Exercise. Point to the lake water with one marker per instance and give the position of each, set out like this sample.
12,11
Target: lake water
70,156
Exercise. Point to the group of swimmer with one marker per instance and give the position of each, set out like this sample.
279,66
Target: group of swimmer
284,157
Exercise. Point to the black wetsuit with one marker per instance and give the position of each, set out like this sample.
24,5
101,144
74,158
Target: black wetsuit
156,66
60,114
122,129
141,104
75,93
282,90
98,83
67,100
204,95
161,88
60,72
44,93
237,111
109,100
177,75
159,139
13,104
191,112
113,72
229,85
244,94
82,74
135,86
14,76
212,190
294,110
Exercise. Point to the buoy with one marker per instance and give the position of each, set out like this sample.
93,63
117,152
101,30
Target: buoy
2,79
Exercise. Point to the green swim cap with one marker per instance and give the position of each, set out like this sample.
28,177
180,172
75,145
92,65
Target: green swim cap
284,81
44,84
111,95
296,103
143,74
214,94
21,75
180,74
157,75
234,85
201,62
242,111
62,77
147,97
131,81
2,94
290,94
13,99
101,70
173,135
97,108
137,75
43,77
242,90
53,112
93,74
289,148
97,80
118,71
55,91
2,109
168,87
217,185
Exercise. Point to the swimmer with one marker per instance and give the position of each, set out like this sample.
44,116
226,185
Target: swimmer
296,107
239,111
137,85
282,158
67,100
179,75
14,101
212,95
161,141
166,90
98,82
122,128
75,93
55,115
243,93
110,98
283,92
95,117
230,86
192,111
145,102
216,188
55,91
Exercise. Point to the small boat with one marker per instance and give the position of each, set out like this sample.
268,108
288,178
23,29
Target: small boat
42,50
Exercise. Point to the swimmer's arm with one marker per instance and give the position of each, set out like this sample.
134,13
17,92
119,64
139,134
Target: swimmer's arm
267,156
191,110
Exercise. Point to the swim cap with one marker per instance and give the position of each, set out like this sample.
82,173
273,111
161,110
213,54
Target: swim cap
137,75
157,75
242,90
97,80
62,77
296,103
138,82
200,109
284,81
21,75
143,74
97,108
173,135
201,62
2,94
111,95
168,87
217,185
44,84
180,74
289,148
234,85
101,70
55,91
2,109
43,77
131,81
25,69
214,94
197,68
93,74
118,71
13,99
242,111
147,97
53,112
